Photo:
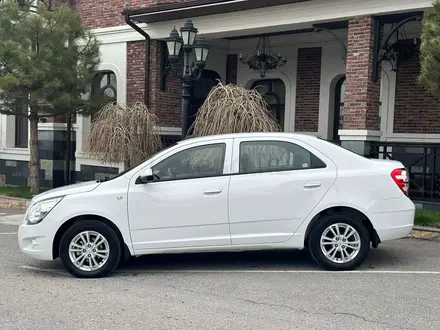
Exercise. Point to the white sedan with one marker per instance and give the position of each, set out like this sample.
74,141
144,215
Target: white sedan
236,192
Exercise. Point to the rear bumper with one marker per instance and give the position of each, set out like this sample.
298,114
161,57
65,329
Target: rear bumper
393,218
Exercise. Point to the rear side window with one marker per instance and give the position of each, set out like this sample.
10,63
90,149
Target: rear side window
271,156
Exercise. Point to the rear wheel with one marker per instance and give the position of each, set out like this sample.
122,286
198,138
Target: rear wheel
90,249
339,242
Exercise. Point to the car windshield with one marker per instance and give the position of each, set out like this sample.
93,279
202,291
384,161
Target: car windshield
132,167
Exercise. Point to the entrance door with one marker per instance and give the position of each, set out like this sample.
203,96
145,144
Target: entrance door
274,93
201,88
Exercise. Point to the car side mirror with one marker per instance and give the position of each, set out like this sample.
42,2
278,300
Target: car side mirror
147,176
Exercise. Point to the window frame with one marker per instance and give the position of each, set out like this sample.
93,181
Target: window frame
96,91
237,152
226,168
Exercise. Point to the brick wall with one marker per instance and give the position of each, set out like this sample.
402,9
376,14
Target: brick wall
135,71
105,13
362,94
231,68
167,105
415,110
308,84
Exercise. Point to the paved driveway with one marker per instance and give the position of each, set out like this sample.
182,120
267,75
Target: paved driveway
397,288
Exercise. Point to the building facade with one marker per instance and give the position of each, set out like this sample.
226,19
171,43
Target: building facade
341,82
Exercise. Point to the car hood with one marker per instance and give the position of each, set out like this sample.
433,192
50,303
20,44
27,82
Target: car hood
67,190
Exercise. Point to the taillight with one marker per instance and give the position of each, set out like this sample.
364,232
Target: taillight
400,177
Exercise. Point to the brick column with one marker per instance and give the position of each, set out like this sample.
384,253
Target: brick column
362,96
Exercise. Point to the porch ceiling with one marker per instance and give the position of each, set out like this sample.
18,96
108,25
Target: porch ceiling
166,12
338,25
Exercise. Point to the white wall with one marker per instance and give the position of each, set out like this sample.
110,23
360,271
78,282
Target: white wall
113,58
332,66
217,60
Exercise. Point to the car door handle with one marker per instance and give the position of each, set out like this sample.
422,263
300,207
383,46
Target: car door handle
313,184
212,191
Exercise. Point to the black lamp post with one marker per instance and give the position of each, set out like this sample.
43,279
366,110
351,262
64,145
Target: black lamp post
187,41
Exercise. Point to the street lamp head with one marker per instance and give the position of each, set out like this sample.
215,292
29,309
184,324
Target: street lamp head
201,50
174,44
188,32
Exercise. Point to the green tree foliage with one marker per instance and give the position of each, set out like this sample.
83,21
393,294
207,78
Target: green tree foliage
430,50
48,60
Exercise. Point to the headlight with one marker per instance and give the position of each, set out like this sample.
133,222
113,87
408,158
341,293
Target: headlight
39,210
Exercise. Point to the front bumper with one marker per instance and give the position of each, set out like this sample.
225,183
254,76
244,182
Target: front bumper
35,241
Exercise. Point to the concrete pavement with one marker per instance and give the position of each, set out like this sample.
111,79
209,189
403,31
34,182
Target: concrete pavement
397,288
11,216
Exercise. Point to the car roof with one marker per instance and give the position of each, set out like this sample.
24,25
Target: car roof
301,136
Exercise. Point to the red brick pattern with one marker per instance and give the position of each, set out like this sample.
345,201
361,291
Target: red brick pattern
308,84
105,13
167,105
231,68
362,94
135,71
416,110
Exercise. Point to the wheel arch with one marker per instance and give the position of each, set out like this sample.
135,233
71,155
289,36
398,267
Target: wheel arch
374,237
69,223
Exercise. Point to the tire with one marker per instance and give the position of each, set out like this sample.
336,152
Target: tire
97,261
349,255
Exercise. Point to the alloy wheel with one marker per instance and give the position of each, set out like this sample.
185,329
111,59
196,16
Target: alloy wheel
89,251
340,243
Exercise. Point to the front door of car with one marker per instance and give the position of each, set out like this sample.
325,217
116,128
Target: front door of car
187,203
275,185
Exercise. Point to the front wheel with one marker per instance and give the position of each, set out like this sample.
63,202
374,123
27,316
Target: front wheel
339,242
90,249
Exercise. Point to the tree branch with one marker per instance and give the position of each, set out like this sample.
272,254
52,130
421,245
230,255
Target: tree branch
9,69
86,46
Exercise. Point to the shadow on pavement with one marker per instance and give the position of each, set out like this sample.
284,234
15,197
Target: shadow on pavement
384,258
267,260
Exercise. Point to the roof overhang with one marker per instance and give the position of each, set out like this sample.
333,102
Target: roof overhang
195,8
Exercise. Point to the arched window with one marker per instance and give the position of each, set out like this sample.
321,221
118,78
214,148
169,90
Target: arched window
274,93
339,108
104,86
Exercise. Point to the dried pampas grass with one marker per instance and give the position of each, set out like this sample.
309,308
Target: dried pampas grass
233,109
123,134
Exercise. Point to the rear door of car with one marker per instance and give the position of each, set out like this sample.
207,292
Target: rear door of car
275,184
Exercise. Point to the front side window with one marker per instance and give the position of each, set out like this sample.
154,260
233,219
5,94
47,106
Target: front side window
271,156
192,163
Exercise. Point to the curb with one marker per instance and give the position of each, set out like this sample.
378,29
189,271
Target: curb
425,233
13,203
